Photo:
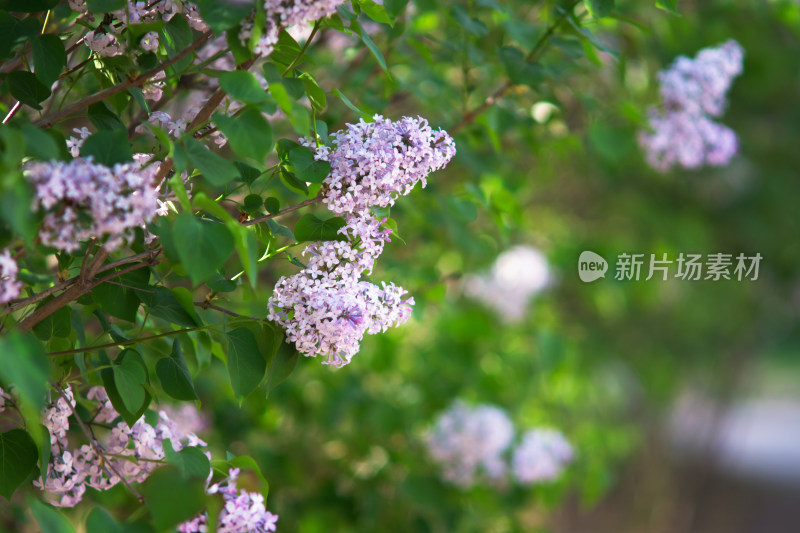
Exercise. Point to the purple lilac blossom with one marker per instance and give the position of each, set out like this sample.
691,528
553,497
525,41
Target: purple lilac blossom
541,456
244,512
469,443
71,470
693,90
82,200
10,287
325,308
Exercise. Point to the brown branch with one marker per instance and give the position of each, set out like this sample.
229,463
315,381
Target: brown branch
209,305
82,285
139,80
501,91
283,211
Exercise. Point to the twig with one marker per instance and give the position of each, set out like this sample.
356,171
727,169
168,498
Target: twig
283,211
132,341
302,50
209,305
48,121
470,117
13,112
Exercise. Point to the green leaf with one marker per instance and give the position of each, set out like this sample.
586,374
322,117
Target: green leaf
242,85
292,183
49,518
18,456
281,96
395,7
245,462
346,101
272,204
219,283
223,15
249,133
471,25
306,168
44,453
247,173
39,144
314,92
27,88
376,12
177,35
173,498
246,364
99,521
59,324
103,118
519,71
105,6
118,301
283,364
252,203
276,228
108,147
49,57
373,48
130,377
14,31
312,228
599,8
668,5
164,304
174,375
217,170
15,209
24,364
109,377
203,247
191,461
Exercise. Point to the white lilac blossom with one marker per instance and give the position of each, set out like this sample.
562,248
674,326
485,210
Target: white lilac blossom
692,91
373,163
10,287
81,200
131,453
243,512
74,144
149,42
325,308
517,275
469,443
541,456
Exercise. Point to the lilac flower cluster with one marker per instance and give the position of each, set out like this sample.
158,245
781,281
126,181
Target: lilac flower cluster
244,512
373,163
104,40
9,286
693,91
131,453
471,443
284,14
325,308
541,456
82,199
517,275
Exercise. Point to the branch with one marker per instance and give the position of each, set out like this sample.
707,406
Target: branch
314,200
133,341
48,121
501,91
